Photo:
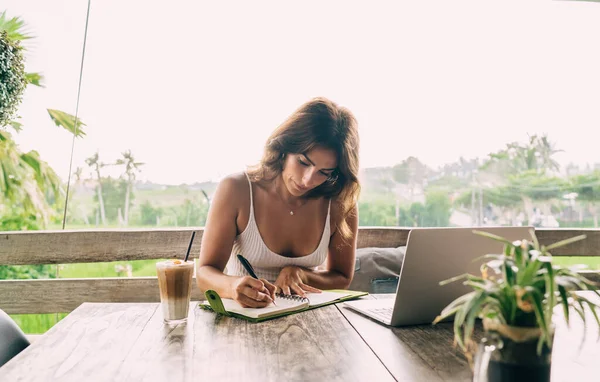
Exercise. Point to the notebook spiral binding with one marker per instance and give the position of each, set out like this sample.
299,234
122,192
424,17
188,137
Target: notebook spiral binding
292,297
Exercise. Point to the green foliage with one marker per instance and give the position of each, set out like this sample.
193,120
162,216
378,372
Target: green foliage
12,77
437,209
27,184
19,222
519,287
434,213
191,213
537,186
14,27
67,121
377,214
516,157
29,188
113,194
587,186
149,213
26,272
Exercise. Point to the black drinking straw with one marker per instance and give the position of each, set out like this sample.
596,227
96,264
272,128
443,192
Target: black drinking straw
190,246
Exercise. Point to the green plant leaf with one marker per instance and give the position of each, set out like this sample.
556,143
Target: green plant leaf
565,242
592,306
472,314
492,236
450,309
538,307
34,79
564,302
526,277
67,121
17,126
455,278
460,317
581,312
549,288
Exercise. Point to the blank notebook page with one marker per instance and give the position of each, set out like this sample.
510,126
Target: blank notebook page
324,297
283,305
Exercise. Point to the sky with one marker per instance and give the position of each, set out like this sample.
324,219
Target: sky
194,88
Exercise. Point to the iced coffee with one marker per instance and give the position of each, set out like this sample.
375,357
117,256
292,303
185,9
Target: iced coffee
175,284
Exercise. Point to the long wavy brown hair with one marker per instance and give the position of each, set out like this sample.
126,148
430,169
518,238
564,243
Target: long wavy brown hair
318,122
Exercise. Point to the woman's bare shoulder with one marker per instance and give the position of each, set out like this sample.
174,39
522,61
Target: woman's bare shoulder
234,187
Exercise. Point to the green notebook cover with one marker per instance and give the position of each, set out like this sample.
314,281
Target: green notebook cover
216,304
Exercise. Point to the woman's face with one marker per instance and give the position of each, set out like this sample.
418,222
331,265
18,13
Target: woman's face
303,172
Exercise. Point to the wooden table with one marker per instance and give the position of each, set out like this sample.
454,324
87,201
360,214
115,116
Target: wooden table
129,342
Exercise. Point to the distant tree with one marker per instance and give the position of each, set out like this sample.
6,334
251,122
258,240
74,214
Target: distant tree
536,155
131,168
376,214
94,163
411,171
113,194
437,208
149,213
587,188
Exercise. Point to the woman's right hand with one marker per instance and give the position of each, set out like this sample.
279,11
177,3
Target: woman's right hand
252,293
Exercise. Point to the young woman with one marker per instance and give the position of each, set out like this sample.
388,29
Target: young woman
292,212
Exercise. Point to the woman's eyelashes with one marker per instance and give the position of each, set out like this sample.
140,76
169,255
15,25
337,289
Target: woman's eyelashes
326,175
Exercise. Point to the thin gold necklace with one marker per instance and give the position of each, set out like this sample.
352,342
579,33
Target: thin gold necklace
292,210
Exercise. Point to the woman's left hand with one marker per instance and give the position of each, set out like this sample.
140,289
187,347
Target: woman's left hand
292,280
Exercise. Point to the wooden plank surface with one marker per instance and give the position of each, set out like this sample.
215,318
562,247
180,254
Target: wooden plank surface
63,247
590,246
426,352
129,342
64,295
412,353
89,344
318,345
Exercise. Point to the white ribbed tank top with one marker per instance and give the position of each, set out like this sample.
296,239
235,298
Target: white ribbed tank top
266,263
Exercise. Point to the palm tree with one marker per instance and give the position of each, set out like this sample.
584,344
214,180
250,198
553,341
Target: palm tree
131,167
546,150
96,165
27,183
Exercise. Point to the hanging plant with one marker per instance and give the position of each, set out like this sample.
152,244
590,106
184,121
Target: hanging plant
12,77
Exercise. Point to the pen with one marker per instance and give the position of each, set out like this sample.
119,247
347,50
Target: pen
248,267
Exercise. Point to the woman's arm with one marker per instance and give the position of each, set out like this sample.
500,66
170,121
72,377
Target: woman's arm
339,268
217,242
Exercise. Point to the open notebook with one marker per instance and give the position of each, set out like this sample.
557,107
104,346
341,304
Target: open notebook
286,304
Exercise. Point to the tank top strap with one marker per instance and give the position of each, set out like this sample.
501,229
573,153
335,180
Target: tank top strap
328,220
251,217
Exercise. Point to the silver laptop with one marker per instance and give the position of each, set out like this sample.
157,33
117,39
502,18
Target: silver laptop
433,255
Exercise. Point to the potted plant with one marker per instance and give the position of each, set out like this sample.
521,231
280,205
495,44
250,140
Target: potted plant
515,297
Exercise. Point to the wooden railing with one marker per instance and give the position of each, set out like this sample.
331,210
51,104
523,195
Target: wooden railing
64,247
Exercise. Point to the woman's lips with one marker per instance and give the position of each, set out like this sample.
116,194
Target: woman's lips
299,188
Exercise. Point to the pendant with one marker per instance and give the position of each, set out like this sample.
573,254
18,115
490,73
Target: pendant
292,213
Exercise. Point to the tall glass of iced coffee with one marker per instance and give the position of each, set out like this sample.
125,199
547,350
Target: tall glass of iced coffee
175,284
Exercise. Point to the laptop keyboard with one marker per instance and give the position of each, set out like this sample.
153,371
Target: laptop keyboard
384,314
